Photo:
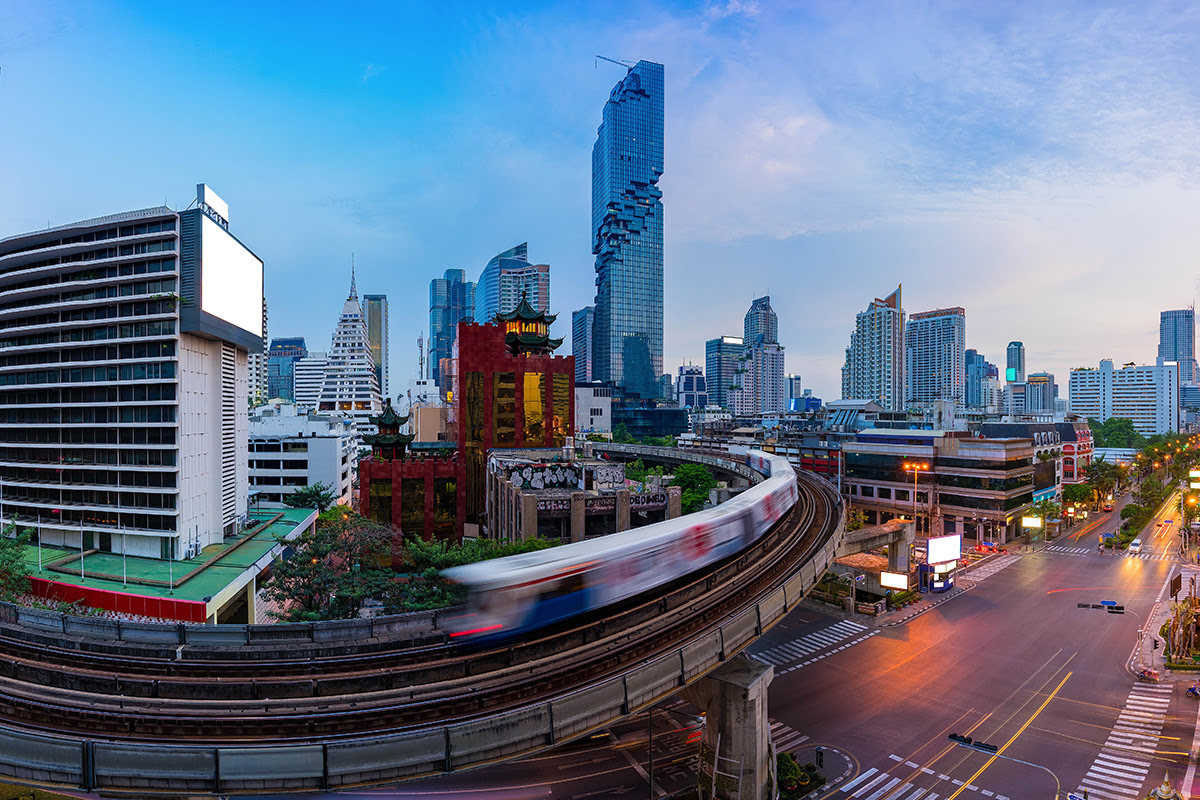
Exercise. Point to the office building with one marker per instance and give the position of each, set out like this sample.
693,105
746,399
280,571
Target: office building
874,366
721,358
582,324
793,388
1040,393
759,381
1177,341
1014,364
351,387
375,315
309,378
593,409
506,279
123,419
935,355
627,233
978,370
290,449
451,301
281,367
760,325
1147,395
691,389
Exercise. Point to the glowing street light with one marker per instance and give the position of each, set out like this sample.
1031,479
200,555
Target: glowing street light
916,469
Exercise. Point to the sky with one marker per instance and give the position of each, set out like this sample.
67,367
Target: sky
1034,163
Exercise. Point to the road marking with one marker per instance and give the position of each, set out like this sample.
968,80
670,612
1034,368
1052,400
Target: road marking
884,789
911,765
927,770
883,777
1020,730
988,792
895,757
943,777
859,779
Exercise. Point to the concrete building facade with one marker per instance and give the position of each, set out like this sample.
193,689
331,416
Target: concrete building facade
290,449
721,358
1148,395
874,366
935,356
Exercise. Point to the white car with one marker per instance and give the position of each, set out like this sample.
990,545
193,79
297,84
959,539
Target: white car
1135,547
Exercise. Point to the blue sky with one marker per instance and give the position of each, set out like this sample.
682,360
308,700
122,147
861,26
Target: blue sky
1035,163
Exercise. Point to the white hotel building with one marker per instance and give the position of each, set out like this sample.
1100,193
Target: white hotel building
1148,395
123,378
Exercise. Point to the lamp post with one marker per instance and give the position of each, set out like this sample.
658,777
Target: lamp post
916,469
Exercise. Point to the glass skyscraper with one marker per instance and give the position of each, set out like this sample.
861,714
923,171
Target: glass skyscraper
375,315
627,233
451,301
281,367
506,279
1177,341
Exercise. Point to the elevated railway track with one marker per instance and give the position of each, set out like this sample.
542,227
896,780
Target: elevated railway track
314,710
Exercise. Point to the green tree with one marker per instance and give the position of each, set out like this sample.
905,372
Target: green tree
1132,511
621,435
635,471
1077,493
318,495
1150,493
335,567
856,518
1101,476
1047,510
14,571
1115,432
695,481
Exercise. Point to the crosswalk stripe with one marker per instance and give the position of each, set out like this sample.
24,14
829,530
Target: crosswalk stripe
1104,794
787,744
866,788
915,794
859,779
1108,758
1109,782
1119,776
884,788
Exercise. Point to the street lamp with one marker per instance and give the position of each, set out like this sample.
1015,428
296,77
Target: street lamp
916,469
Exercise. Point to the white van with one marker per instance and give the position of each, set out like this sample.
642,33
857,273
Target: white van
1135,547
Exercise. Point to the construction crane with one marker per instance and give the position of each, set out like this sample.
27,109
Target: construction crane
619,63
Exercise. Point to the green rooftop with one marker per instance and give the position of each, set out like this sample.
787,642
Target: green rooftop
200,578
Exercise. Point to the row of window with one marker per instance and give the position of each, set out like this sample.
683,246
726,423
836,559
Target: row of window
109,353
123,458
88,436
142,393
275,480
87,416
136,249
123,372
278,447
88,477
163,286
97,273
90,497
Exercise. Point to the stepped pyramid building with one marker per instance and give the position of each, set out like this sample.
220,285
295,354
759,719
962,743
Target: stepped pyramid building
351,385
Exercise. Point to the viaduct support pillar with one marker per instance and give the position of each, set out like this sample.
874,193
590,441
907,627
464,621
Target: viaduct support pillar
735,758
578,515
899,551
623,517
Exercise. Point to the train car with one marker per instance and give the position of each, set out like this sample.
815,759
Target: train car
510,596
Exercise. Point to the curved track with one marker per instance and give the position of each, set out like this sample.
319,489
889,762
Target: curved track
343,709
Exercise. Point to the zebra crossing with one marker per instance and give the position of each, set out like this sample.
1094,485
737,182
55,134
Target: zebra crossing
785,738
1121,767
1062,549
874,784
805,650
990,567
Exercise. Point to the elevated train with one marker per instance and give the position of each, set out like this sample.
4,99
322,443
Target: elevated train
513,595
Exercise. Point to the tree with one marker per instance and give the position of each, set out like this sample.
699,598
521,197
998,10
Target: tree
318,495
1132,511
1077,493
621,435
1046,509
14,571
695,480
1115,432
335,567
856,518
635,471
1102,476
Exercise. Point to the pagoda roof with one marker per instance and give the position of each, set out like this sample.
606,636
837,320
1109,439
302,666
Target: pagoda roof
388,439
524,312
389,416
532,340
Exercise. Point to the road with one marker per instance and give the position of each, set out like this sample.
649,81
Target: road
1013,661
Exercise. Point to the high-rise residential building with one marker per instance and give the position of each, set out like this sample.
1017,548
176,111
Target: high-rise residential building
935,355
1177,341
451,301
874,367
309,379
721,358
506,279
1014,363
760,325
627,233
1040,393
793,389
759,381
256,368
978,370
582,324
123,419
1147,395
351,387
281,367
375,315
691,389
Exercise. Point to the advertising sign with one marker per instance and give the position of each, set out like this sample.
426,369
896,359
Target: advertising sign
1194,473
944,548
1031,522
893,580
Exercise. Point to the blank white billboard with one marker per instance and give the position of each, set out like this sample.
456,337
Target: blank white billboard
232,279
893,580
944,548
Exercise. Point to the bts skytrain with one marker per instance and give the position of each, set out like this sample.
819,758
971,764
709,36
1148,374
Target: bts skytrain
516,594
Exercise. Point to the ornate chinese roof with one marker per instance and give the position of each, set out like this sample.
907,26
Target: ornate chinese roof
389,442
524,312
526,330
389,417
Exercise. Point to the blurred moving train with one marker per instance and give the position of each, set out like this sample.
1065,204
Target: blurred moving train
512,595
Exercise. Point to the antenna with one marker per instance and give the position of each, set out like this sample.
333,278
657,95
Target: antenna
421,356
618,62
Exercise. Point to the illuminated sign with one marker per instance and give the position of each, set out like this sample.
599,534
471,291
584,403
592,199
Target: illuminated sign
1194,485
1195,473
1010,374
893,580
944,548
1031,522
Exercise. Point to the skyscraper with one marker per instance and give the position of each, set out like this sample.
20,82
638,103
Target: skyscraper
793,390
281,367
451,301
1177,341
760,324
691,389
934,353
1014,366
309,371
627,232
375,315
874,366
721,357
506,279
136,329
582,325
1040,392
351,387
978,371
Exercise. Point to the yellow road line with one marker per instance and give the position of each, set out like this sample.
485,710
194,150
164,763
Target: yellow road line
1021,730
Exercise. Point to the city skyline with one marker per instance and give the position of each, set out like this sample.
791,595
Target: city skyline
839,159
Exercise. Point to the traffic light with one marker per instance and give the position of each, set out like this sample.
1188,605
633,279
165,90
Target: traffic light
985,747
820,757
1156,644
958,737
